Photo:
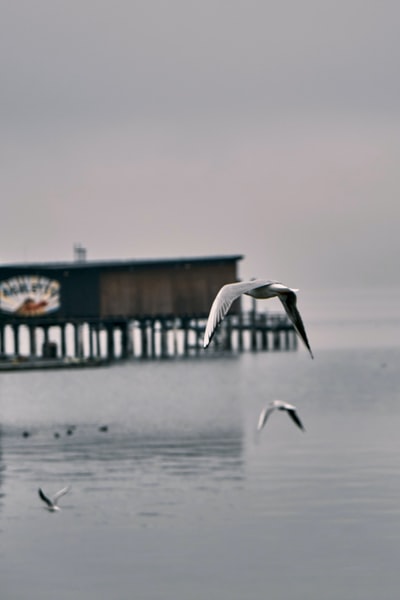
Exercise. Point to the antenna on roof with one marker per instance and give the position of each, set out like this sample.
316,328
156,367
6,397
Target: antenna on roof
79,253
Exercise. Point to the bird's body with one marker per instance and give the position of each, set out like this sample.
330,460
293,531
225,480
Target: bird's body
260,289
52,503
279,405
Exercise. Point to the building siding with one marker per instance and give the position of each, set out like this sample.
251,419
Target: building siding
182,290
126,289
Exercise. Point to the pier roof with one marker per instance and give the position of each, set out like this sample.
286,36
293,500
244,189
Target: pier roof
121,263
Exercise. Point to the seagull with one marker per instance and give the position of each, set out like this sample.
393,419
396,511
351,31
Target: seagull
257,288
278,405
52,505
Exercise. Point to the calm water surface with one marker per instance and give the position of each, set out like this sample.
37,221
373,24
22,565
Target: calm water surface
181,500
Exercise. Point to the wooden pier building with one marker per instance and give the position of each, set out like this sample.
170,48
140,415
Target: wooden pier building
107,310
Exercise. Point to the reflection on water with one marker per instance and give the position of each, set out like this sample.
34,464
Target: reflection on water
184,452
179,499
121,474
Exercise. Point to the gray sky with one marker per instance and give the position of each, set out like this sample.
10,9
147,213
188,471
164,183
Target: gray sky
178,128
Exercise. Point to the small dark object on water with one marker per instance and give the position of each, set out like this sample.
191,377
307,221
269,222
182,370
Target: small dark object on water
25,434
103,428
56,434
70,431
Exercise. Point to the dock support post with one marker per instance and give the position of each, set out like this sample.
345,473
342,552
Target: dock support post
63,341
76,340
240,331
15,329
294,340
124,340
185,326
287,339
2,340
164,340
153,338
98,344
143,330
32,341
174,338
80,339
253,333
197,334
228,335
110,342
264,333
131,339
277,340
90,332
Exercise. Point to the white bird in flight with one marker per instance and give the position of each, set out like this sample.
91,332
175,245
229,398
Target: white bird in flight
257,288
52,503
278,405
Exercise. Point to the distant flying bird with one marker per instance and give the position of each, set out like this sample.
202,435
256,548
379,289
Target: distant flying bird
260,289
278,405
52,503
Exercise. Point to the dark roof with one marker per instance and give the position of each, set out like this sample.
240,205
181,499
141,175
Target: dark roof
121,264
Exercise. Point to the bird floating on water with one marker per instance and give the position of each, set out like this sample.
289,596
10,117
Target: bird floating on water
260,289
279,405
52,503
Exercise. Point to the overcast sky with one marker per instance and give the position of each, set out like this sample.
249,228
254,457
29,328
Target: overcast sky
149,129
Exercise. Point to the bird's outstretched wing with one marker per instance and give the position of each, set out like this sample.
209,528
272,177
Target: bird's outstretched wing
293,414
223,301
289,302
262,419
43,496
58,495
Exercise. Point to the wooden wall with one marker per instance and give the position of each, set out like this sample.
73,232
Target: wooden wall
183,289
